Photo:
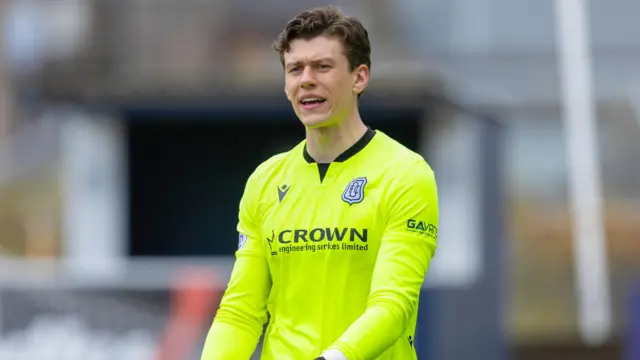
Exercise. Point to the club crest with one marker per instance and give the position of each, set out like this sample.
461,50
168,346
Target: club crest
354,192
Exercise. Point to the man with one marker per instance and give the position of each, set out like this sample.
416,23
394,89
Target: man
337,234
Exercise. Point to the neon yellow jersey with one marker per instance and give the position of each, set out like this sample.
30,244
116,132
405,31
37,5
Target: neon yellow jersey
333,260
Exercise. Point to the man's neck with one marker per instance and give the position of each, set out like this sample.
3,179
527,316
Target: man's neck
325,144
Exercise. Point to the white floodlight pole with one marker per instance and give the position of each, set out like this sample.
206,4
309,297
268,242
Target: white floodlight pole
591,271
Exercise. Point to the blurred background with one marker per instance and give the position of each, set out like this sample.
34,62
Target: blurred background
128,129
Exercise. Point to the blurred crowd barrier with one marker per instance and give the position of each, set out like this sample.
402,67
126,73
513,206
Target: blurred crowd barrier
153,311
494,55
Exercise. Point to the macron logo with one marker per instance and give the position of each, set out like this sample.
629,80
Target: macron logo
282,191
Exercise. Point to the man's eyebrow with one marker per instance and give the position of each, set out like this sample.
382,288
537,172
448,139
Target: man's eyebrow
293,63
300,62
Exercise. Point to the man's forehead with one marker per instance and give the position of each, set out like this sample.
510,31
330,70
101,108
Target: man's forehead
313,49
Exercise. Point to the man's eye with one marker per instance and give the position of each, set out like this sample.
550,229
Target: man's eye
294,70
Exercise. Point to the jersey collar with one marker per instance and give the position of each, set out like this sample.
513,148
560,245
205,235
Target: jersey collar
354,149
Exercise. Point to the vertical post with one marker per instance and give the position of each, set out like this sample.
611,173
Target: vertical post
95,203
592,278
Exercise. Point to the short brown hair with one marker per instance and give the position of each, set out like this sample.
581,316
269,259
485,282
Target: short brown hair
328,20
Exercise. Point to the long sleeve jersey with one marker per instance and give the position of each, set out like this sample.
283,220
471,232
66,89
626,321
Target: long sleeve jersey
333,256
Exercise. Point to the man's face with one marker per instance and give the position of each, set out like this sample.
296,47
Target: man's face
318,81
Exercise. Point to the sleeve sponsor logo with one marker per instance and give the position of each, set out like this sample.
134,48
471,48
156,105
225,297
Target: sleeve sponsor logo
242,239
423,228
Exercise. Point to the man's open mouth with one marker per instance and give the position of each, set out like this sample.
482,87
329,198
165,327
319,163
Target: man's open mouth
312,101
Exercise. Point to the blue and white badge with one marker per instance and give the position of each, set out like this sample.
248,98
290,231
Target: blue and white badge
242,239
354,192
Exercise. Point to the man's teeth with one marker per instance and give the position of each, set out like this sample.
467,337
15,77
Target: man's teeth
312,100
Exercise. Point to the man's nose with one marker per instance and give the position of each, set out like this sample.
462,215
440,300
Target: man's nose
308,79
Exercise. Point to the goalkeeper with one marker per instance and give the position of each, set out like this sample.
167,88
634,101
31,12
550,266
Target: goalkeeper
335,235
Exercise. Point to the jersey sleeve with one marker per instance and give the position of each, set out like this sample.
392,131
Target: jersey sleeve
408,245
238,324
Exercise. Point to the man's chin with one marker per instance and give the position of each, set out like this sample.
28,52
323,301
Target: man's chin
314,122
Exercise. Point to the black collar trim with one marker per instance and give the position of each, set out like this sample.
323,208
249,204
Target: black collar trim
350,152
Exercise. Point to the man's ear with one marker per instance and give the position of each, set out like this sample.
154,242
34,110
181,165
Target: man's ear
361,79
